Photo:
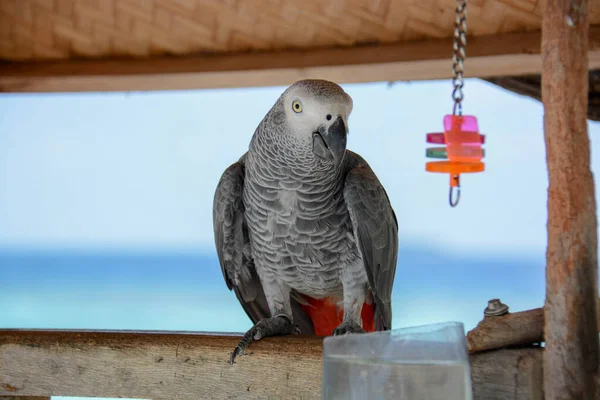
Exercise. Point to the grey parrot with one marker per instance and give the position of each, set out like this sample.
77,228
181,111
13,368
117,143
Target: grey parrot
304,231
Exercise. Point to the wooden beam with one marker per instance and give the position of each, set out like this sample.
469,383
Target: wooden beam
531,86
487,56
185,366
571,329
24,398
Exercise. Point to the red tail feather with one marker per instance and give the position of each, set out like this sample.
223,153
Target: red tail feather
326,317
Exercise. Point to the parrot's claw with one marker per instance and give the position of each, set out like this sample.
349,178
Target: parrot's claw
280,324
347,327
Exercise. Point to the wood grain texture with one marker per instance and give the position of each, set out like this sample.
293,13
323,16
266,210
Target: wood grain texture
508,374
61,29
571,329
156,366
508,54
520,328
185,366
24,398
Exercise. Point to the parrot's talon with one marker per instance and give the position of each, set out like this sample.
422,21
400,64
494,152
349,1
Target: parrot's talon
234,354
348,327
280,324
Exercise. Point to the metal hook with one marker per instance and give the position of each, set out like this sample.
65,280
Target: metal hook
450,196
454,203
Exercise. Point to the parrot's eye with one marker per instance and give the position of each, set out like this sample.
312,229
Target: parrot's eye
328,117
297,107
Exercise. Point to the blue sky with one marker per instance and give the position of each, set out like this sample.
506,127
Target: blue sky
138,170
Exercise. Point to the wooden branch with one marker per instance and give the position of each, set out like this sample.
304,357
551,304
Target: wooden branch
571,329
496,55
512,329
189,366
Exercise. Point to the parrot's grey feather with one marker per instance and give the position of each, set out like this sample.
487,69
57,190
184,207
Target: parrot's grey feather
376,230
234,251
301,218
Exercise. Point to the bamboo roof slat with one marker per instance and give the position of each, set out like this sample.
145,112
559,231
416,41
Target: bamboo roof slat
63,29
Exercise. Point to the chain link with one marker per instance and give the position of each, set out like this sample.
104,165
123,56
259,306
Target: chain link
458,58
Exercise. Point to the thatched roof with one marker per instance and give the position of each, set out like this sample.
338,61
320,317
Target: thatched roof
62,29
83,45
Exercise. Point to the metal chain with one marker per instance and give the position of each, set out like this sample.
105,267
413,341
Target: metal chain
458,67
458,58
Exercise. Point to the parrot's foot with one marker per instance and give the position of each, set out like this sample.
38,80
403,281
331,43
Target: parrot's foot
278,325
347,327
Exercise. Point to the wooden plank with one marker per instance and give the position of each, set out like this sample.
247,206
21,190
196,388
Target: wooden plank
487,56
191,366
517,374
571,329
155,366
520,328
24,398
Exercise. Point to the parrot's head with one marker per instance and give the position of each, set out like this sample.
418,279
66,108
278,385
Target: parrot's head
317,111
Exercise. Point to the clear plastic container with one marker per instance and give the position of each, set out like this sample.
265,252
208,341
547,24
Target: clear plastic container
422,363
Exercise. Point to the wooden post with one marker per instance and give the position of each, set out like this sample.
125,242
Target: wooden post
571,329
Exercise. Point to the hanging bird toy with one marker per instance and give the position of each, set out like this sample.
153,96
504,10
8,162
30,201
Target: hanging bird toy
461,135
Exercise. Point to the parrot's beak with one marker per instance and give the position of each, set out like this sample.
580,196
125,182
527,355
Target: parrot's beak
330,143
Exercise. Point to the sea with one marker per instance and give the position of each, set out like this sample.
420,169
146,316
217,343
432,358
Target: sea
185,291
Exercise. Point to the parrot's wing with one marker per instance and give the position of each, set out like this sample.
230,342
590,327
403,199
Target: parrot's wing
232,244
234,250
376,232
